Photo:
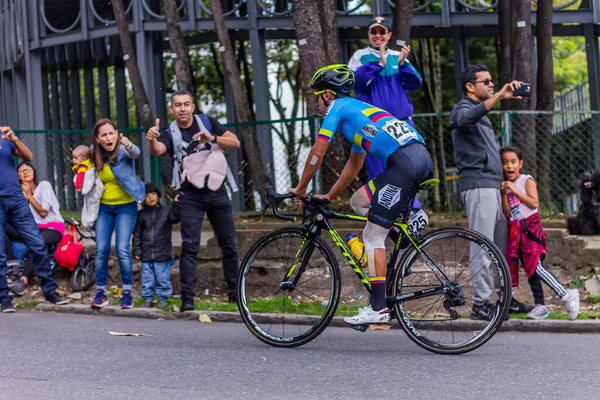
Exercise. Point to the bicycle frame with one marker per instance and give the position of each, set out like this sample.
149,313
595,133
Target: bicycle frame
321,222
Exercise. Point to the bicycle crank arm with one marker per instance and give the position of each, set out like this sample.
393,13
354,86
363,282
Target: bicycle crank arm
418,294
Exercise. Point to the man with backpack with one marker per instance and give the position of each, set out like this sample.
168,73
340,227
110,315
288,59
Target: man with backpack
195,143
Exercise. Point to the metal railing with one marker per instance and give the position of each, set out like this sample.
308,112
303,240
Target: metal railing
555,158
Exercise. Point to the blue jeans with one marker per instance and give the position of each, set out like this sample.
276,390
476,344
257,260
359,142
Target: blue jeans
120,218
158,272
15,210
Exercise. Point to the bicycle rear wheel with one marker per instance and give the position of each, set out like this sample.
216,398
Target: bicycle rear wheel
469,268
288,312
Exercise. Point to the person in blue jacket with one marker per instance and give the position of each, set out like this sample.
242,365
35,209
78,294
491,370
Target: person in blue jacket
383,77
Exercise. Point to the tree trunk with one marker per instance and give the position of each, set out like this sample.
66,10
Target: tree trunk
403,15
242,107
545,98
309,34
331,38
523,126
504,28
139,92
183,72
316,32
428,57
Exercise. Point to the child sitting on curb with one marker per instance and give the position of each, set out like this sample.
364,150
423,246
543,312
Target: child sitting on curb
153,245
527,239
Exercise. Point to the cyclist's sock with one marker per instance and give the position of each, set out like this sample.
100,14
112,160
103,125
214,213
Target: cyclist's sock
377,292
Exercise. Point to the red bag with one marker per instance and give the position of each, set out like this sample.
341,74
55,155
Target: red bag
68,250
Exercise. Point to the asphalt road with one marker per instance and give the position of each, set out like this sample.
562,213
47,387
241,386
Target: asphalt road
65,356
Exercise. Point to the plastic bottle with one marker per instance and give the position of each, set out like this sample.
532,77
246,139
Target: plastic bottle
358,249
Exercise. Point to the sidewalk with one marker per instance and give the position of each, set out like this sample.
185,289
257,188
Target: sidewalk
515,325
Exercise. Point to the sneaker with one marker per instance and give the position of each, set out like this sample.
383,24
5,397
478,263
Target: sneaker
540,311
162,303
7,306
57,299
20,288
484,312
100,300
571,303
518,307
367,315
147,303
187,304
126,300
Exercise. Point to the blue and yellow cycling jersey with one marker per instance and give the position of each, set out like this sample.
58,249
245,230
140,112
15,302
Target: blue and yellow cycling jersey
367,127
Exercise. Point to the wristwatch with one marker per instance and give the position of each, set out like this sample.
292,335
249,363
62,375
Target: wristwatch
214,139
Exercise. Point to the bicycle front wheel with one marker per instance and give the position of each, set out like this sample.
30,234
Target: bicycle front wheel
286,309
456,269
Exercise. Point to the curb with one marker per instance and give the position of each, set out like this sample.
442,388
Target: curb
517,325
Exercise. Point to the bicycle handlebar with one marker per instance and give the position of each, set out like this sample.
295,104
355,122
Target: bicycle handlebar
77,226
273,199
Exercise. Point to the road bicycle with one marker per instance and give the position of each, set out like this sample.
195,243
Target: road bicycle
83,275
290,285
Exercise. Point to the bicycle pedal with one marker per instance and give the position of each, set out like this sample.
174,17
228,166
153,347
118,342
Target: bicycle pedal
362,328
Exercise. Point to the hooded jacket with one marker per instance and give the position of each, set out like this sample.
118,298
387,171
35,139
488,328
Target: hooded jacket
152,233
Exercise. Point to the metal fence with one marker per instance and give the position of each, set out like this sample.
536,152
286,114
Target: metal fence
556,150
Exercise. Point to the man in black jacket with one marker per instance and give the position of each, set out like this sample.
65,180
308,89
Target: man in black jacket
153,245
480,173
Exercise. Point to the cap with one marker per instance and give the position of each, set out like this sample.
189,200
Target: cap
380,21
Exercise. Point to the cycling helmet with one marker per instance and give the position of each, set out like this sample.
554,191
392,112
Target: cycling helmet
337,78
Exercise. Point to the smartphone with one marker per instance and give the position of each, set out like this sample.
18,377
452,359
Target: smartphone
523,91
400,43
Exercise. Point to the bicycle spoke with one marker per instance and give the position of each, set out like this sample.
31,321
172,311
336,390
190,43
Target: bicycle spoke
288,304
435,323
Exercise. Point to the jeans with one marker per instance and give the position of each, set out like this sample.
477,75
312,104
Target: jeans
120,218
158,272
15,210
51,238
193,203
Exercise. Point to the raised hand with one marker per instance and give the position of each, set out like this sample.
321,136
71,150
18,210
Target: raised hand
507,90
7,133
125,142
404,52
153,132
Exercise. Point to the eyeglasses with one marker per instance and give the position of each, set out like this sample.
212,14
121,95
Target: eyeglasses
486,82
22,170
378,32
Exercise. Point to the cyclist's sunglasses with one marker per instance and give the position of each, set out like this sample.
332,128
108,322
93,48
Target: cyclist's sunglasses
320,92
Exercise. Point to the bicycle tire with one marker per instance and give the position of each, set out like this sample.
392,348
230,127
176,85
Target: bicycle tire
414,323
83,276
254,265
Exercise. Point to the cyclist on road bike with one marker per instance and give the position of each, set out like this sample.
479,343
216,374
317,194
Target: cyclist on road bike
394,142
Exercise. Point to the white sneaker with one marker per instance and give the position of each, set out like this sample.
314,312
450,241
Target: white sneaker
571,303
367,315
540,311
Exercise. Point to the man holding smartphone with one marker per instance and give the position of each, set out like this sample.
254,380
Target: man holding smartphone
383,77
480,174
